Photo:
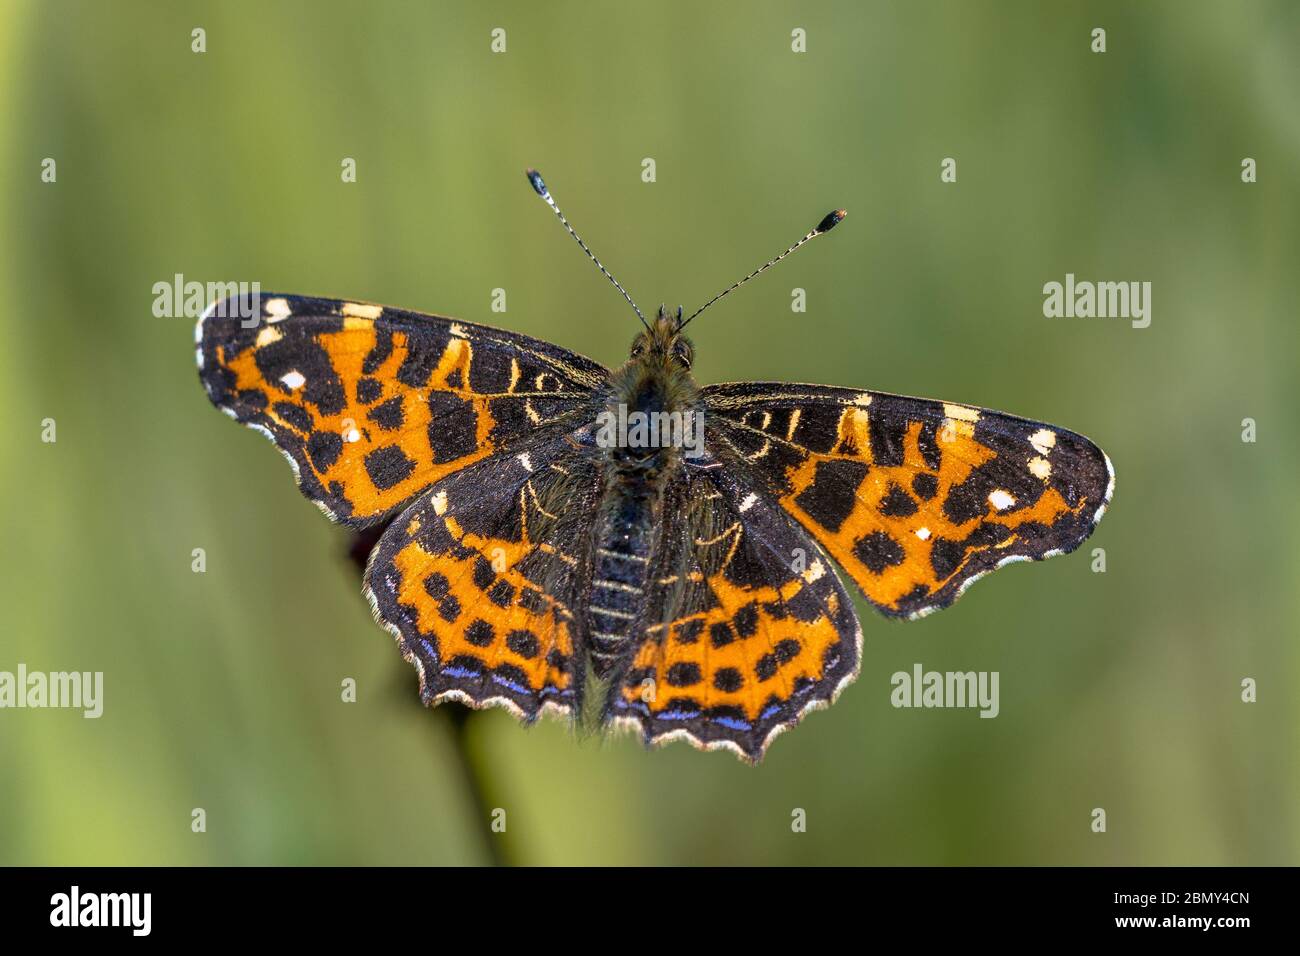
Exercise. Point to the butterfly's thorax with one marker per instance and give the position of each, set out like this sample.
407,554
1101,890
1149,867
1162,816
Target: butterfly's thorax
634,475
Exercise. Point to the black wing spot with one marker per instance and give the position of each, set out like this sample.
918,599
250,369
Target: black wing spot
684,674
388,466
728,680
449,608
483,574
831,497
878,551
897,503
388,415
501,593
721,634
437,586
324,449
480,633
746,620
418,365
376,357
784,652
523,642
927,442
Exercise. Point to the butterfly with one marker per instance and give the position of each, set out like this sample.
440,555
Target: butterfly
555,526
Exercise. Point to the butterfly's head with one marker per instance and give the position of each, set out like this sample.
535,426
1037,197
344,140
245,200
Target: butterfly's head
663,342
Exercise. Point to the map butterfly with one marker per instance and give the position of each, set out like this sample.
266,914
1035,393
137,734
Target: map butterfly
524,559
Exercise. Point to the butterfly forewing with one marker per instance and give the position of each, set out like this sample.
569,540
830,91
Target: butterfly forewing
914,499
373,404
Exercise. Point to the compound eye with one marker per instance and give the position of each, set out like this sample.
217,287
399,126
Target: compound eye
638,348
683,352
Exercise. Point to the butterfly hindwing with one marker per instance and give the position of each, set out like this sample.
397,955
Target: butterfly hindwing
751,628
371,404
482,582
915,499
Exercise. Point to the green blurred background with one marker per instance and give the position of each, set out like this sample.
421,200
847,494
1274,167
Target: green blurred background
222,690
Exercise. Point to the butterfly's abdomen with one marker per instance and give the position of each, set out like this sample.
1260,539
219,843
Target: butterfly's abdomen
620,566
627,526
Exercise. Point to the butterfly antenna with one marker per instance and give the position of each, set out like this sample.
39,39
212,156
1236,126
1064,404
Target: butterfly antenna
539,185
831,220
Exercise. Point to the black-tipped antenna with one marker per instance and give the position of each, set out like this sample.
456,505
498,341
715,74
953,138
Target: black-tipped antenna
539,185
829,222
